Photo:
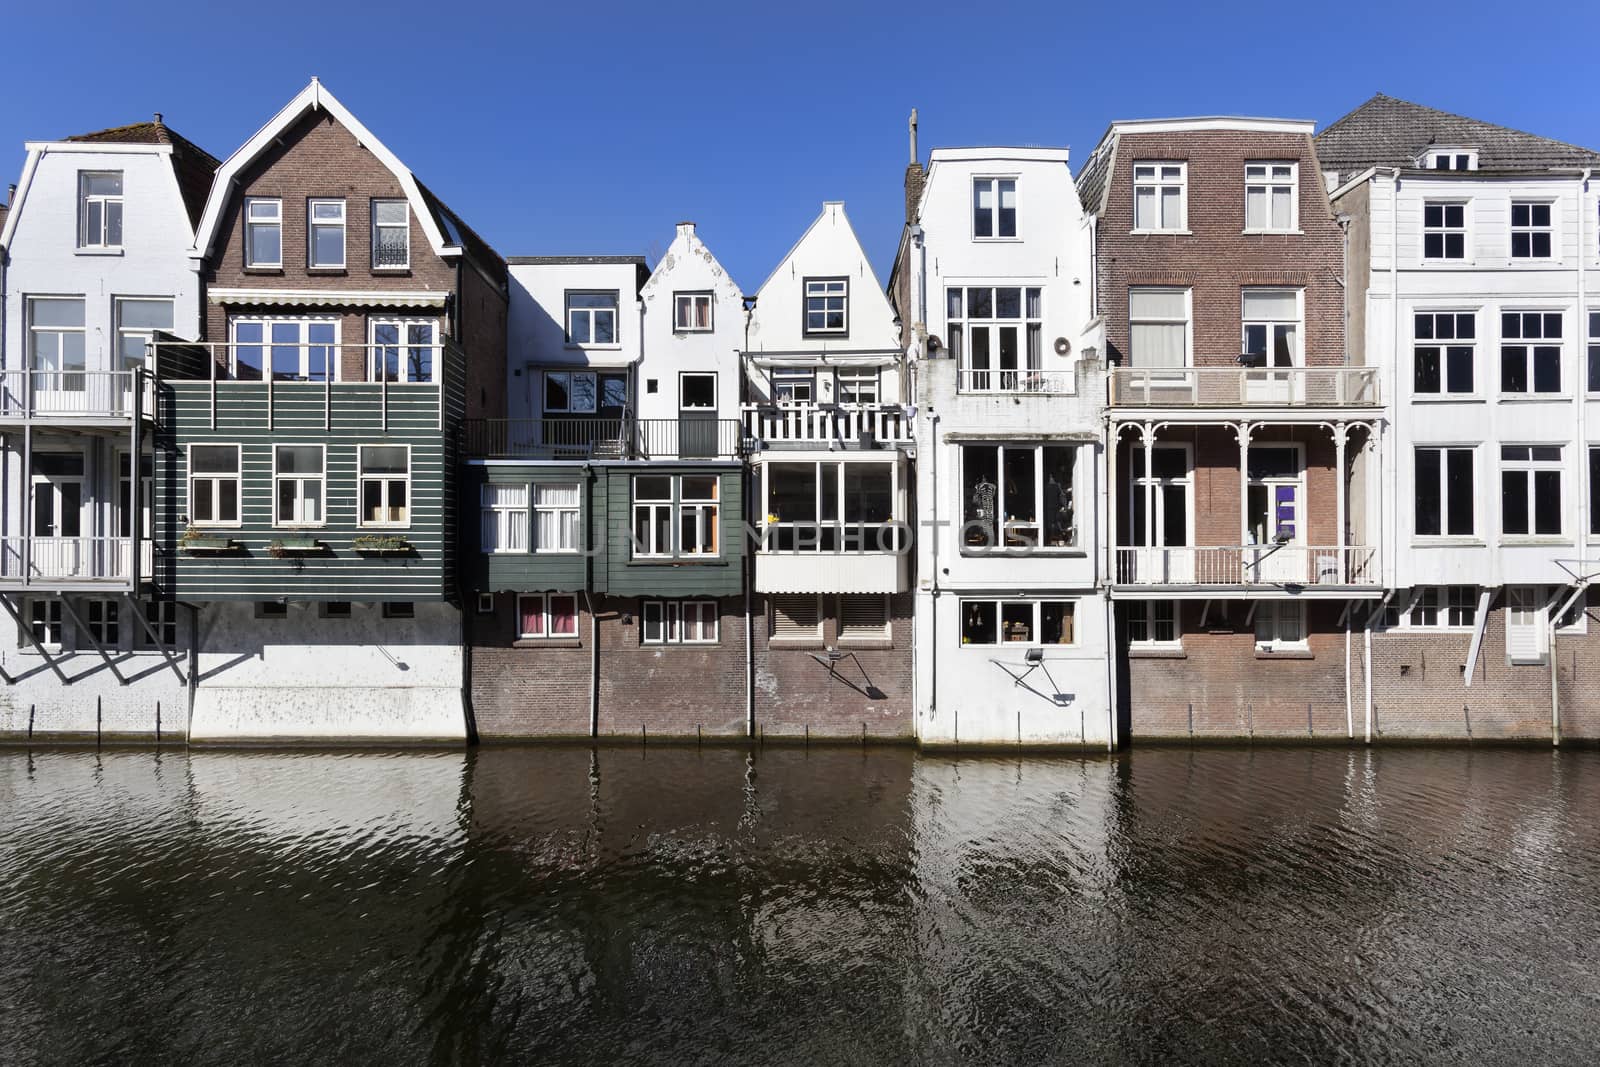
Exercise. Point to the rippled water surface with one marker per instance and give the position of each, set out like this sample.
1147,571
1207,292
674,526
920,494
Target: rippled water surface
791,906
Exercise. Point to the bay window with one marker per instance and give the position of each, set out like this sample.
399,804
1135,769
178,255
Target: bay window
676,515
831,506
547,615
1017,497
385,475
555,518
1017,622
297,483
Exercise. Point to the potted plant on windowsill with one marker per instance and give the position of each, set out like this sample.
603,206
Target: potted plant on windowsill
381,545
196,540
292,546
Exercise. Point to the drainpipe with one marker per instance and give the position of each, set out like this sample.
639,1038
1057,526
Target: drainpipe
748,565
588,600
1393,405
1367,640
1555,617
1584,518
933,626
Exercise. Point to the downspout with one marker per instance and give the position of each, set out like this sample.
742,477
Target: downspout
1367,653
748,564
1555,702
933,527
1584,518
588,599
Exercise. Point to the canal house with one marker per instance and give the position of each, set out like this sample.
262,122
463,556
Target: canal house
1473,251
828,424
93,263
604,523
306,445
993,275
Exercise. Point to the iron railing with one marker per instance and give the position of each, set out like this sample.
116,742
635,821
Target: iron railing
597,438
1236,387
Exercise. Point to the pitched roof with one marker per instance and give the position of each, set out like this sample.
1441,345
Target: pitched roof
460,233
1091,179
192,165
1386,132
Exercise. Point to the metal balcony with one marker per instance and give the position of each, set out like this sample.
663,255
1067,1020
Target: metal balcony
623,438
1244,387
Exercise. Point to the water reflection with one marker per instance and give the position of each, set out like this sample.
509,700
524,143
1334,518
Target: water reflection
783,905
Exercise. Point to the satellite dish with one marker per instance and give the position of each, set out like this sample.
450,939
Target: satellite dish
1063,346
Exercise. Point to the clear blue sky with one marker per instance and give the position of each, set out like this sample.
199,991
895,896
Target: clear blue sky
561,128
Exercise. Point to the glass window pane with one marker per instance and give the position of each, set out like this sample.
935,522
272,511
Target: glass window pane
978,622
67,313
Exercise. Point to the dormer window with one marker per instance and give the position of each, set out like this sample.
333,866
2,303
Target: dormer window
1450,159
100,209
827,303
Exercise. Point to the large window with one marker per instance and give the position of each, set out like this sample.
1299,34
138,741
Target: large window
1151,624
137,321
1530,490
676,515
385,485
391,235
793,386
1449,607
555,509
325,233
1594,351
994,207
1271,196
44,621
1271,321
1530,352
263,232
1594,492
1444,354
285,350
504,518
1531,232
856,386
585,393
103,620
214,485
100,209
1444,230
1158,327
1160,194
592,318
831,506
827,308
1017,622
996,335
402,350
697,391
1280,626
691,312
56,342
1017,497
1444,497
297,485
679,622
542,615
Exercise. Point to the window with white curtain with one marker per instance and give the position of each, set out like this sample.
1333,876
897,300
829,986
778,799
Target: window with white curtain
1160,193
385,485
1280,625
505,518
1158,327
391,235
325,236
1272,326
1270,196
555,518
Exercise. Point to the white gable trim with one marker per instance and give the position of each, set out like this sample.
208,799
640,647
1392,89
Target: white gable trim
827,205
15,210
312,98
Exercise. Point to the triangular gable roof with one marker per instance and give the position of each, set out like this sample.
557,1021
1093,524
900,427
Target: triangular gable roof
669,262
1388,132
850,229
316,98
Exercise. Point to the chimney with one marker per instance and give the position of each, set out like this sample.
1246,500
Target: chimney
915,175
685,229
158,118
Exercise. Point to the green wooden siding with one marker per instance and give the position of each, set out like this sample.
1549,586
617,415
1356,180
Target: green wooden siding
723,576
530,572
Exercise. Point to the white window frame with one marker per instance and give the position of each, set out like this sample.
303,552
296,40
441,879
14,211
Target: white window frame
1273,617
692,303
1148,620
1028,322
706,512
1297,356
313,224
103,619
1443,345
63,376
683,379
547,617
1187,321
589,315
217,479
45,622
667,622
825,292
405,345
1035,627
300,482
1157,176
1592,384
386,480
557,511
996,186
1263,174
302,346
1445,231
377,229
144,334
1036,529
106,202
1451,156
1548,231
1532,466
879,633
1445,452
505,526
1529,353
265,218
856,386
162,617
1435,608
786,378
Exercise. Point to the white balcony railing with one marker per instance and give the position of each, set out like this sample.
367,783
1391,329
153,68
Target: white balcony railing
1039,382
1235,387
73,394
42,561
1287,564
821,425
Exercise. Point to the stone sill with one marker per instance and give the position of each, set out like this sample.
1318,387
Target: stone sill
866,644
327,272
1299,654
547,642
1157,653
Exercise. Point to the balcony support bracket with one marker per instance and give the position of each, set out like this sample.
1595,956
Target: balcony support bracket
170,656
66,606
27,631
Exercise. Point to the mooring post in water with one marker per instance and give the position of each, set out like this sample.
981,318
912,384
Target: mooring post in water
644,739
808,735
1466,717
1019,727
1310,732
698,739
1191,720
99,712
158,723
30,720
1250,710
863,735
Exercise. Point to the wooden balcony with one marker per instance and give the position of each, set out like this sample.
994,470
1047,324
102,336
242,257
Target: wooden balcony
817,426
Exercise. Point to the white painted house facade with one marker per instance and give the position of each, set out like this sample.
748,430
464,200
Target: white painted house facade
95,247
1012,627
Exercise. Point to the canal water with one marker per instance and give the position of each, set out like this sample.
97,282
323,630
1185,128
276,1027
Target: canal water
830,906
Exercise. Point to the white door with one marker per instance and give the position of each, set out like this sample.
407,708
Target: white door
1271,320
1526,634
1159,519
1275,539
59,550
